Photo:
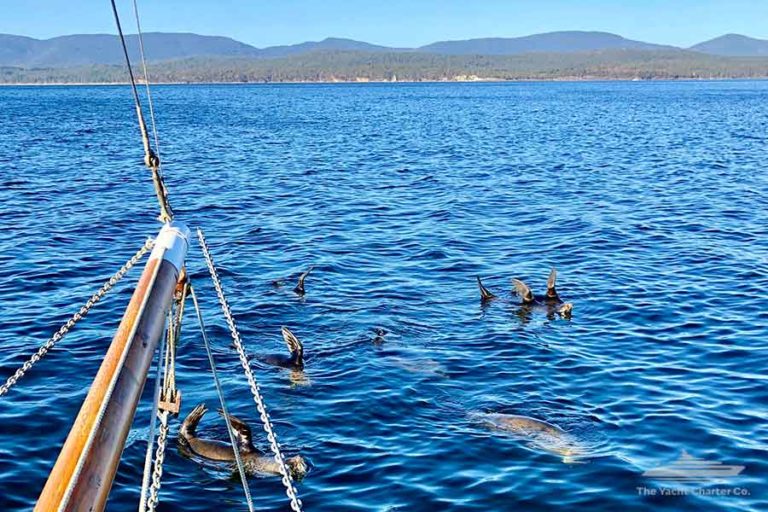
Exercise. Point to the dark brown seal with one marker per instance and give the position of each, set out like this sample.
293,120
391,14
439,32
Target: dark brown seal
254,461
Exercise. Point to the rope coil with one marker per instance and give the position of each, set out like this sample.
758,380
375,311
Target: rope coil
290,490
64,329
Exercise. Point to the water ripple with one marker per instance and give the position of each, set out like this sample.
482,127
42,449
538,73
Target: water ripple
649,198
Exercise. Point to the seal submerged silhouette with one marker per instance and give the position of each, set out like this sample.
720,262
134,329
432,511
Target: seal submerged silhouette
296,358
254,461
538,434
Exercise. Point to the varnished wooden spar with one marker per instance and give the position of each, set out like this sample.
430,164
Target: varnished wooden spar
82,476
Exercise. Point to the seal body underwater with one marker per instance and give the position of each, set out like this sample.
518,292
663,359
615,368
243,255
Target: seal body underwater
538,434
295,358
254,461
551,300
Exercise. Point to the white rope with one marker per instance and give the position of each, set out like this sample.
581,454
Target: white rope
151,436
150,494
64,329
230,430
290,490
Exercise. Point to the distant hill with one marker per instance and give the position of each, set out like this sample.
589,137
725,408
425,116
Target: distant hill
552,42
556,55
103,49
16,50
95,49
328,44
733,45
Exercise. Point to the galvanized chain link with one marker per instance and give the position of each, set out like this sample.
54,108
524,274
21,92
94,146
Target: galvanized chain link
96,297
290,490
157,474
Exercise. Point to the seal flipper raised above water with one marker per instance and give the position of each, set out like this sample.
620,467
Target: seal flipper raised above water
188,428
295,348
242,433
522,290
210,449
551,281
485,293
299,290
551,301
564,309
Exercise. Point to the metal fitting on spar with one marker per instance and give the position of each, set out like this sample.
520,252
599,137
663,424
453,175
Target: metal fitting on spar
172,244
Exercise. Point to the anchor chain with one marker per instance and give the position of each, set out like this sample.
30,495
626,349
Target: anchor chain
290,490
146,479
64,329
157,473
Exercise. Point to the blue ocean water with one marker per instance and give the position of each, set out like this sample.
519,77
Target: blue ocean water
649,198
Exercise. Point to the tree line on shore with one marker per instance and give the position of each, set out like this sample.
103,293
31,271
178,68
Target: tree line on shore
346,66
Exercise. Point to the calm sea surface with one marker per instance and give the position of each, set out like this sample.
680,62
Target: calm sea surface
649,198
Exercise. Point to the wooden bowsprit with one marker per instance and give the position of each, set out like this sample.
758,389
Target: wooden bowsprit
82,476
85,469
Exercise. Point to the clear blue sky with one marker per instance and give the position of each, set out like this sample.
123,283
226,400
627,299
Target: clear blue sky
396,22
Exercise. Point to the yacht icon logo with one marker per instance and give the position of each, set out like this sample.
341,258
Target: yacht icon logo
690,469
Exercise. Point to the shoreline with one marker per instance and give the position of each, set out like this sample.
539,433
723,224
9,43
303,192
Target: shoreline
406,82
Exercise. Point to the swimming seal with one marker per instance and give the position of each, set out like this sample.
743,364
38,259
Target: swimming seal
254,461
551,300
296,358
379,334
537,433
299,290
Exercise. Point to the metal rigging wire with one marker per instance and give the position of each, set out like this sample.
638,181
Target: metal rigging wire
151,159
